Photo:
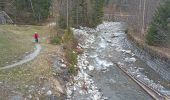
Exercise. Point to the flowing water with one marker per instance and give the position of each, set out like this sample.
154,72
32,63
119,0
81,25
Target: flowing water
99,78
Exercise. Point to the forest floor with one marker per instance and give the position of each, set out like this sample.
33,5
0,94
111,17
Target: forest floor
32,80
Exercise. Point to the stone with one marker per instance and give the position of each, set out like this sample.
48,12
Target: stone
43,88
63,65
130,59
30,96
91,68
49,92
128,51
109,41
84,67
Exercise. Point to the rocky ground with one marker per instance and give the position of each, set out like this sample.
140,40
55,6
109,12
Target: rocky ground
98,77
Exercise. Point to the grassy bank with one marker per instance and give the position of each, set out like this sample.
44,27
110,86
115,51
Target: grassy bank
35,75
16,41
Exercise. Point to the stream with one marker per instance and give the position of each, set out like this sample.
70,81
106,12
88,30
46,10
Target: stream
99,78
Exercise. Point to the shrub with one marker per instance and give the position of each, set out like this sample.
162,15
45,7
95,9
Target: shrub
68,36
70,54
56,40
151,36
71,69
158,33
71,58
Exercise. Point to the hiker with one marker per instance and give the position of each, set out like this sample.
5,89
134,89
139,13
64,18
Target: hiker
36,36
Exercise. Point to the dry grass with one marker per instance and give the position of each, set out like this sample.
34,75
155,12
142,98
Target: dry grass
26,73
30,73
15,41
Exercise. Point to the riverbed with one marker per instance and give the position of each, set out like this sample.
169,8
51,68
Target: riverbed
99,78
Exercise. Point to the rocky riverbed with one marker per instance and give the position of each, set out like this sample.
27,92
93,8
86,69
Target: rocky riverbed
98,77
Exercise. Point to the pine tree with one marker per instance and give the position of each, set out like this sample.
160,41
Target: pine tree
98,12
158,32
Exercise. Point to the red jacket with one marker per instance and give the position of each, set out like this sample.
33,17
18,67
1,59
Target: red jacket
36,36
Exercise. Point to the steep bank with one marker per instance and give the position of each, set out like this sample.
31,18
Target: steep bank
159,56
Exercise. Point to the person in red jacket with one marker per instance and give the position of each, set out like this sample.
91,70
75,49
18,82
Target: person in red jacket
36,36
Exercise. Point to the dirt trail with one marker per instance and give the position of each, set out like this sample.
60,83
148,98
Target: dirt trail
27,58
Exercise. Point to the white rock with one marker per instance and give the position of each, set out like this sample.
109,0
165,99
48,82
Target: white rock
37,98
130,59
133,54
109,56
62,60
138,76
74,88
69,92
30,96
118,49
121,64
109,41
128,51
112,81
49,92
84,67
105,98
90,91
86,62
43,88
81,92
63,65
39,92
91,68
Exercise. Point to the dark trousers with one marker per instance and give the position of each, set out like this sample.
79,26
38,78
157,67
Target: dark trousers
36,40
